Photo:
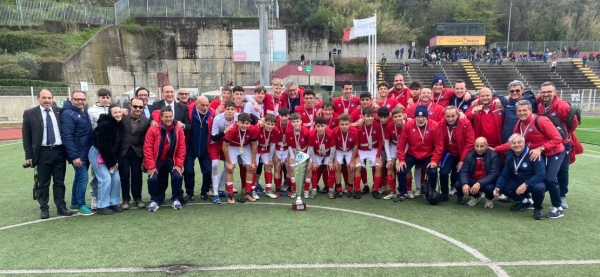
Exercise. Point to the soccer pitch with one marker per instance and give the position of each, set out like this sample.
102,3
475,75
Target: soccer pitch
340,237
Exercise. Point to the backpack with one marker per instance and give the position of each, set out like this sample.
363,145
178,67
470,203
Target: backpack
430,194
555,121
573,112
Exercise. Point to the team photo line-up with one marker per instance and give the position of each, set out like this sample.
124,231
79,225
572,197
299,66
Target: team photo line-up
511,147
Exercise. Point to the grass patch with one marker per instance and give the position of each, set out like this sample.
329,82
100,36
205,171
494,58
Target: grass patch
589,131
48,47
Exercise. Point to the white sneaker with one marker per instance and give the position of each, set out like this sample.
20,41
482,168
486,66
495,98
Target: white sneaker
418,193
452,192
293,195
502,197
94,203
489,203
211,192
306,195
255,195
176,205
389,196
474,201
270,194
411,195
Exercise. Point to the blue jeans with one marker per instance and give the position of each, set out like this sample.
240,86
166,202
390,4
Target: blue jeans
109,184
79,184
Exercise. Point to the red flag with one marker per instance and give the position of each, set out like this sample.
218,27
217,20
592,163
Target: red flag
348,34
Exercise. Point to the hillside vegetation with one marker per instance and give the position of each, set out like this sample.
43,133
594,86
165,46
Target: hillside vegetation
409,20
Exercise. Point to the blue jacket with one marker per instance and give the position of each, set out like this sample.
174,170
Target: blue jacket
530,173
198,140
510,113
76,133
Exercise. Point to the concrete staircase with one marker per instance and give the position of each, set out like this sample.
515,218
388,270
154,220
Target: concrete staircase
472,74
497,77
587,72
536,73
572,74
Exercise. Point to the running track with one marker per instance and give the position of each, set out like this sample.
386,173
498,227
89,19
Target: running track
10,133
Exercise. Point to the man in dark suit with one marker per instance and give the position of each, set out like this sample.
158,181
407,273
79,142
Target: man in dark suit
180,115
130,165
143,94
44,149
180,110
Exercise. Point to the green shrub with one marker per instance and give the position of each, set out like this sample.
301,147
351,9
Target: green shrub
352,67
29,62
29,83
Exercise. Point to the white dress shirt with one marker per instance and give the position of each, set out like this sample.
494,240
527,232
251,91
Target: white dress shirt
57,141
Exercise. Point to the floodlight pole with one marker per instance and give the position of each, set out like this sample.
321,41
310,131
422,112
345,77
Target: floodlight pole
263,33
509,19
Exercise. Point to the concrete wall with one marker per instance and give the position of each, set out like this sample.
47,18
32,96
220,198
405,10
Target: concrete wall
12,107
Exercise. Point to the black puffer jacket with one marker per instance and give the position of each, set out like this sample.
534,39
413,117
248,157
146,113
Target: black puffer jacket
108,138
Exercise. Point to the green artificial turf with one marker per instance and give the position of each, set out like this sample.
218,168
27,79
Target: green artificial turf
243,234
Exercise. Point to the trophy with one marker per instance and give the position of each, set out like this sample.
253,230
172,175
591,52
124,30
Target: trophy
299,167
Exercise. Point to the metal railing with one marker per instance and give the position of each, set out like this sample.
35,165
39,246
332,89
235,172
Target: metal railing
553,46
34,12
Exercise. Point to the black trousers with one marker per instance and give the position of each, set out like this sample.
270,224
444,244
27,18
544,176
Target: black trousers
52,164
189,174
130,170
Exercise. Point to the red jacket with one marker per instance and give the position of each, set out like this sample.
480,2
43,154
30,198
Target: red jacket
463,138
339,106
400,96
547,136
443,99
560,109
436,112
432,143
487,125
152,146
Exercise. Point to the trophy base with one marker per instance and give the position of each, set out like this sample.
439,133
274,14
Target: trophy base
299,207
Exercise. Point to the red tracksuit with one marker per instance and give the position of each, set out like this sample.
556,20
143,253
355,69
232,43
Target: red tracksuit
436,112
462,138
547,136
487,124
431,144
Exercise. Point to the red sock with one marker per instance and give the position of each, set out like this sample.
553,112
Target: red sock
392,183
330,179
293,184
408,183
269,179
229,187
376,183
288,181
383,173
357,183
315,178
248,187
363,176
277,183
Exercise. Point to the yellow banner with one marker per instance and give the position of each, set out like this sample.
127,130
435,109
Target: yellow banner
460,40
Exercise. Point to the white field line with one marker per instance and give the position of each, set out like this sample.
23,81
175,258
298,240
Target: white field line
587,150
597,157
184,268
8,144
482,258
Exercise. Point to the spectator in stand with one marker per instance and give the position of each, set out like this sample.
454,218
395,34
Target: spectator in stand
584,60
302,59
397,53
402,53
425,62
553,66
383,59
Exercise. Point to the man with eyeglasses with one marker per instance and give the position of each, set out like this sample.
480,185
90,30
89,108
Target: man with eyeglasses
550,105
516,92
545,143
143,94
130,164
183,96
179,110
76,135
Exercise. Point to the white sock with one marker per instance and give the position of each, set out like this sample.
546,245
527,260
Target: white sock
417,177
214,176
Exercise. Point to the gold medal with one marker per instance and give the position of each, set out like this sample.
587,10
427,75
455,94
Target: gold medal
241,149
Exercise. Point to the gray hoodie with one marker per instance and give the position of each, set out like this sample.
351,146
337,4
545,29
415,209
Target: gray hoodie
95,113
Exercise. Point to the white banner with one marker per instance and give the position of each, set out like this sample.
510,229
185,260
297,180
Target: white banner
365,27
